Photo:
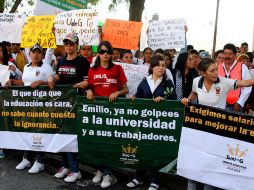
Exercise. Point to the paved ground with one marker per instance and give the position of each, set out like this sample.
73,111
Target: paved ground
11,179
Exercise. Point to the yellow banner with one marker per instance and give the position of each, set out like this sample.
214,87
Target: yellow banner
38,29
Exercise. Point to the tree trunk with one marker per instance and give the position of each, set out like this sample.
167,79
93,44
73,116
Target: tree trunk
2,6
136,10
15,6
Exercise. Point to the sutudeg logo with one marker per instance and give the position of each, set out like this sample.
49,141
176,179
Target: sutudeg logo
234,160
37,141
129,154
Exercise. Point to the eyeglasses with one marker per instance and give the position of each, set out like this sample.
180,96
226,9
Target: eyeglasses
69,43
103,51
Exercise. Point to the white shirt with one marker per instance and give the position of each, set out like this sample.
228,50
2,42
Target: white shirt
245,91
217,95
152,83
35,73
17,72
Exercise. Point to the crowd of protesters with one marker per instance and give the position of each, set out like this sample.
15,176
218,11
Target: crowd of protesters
190,75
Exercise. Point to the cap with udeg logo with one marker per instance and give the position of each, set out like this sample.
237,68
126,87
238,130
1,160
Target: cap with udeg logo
36,46
72,37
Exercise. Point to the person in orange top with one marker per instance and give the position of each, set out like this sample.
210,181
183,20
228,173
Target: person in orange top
234,70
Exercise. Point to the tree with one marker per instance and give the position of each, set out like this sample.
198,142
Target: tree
12,5
136,7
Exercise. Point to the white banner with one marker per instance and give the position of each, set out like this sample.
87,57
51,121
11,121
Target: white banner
134,74
216,160
84,22
39,141
11,27
4,74
167,34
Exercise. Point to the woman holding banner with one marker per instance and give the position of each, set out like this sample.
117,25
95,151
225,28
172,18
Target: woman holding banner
156,86
35,73
108,80
72,69
212,90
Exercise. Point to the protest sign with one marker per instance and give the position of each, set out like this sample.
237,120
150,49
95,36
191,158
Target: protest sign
38,29
11,27
134,74
126,133
84,22
38,119
122,34
4,74
45,7
216,148
167,34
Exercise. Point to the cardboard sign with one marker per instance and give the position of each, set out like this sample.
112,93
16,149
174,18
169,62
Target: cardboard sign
11,27
167,34
38,29
122,34
84,22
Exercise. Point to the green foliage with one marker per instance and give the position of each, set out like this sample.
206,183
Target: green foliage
8,4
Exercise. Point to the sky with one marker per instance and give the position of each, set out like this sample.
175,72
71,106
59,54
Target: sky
235,21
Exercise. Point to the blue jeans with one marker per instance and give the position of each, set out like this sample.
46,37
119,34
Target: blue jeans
70,160
39,156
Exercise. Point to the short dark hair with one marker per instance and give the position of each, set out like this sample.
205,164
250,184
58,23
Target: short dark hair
190,47
231,47
244,44
159,51
124,51
194,52
250,55
205,63
217,53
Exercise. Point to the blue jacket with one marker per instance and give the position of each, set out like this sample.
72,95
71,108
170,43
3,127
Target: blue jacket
165,89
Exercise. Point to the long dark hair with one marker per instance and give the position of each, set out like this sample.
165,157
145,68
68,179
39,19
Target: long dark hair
98,60
181,62
5,54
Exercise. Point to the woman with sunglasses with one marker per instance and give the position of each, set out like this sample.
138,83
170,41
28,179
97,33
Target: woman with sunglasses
112,85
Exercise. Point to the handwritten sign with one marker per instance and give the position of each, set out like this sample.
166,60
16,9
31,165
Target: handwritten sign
38,29
167,34
9,24
122,34
134,74
84,22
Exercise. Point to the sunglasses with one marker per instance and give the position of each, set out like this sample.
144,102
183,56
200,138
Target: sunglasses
103,51
69,43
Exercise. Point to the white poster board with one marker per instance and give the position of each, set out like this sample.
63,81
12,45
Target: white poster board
84,22
134,74
4,74
11,27
167,34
